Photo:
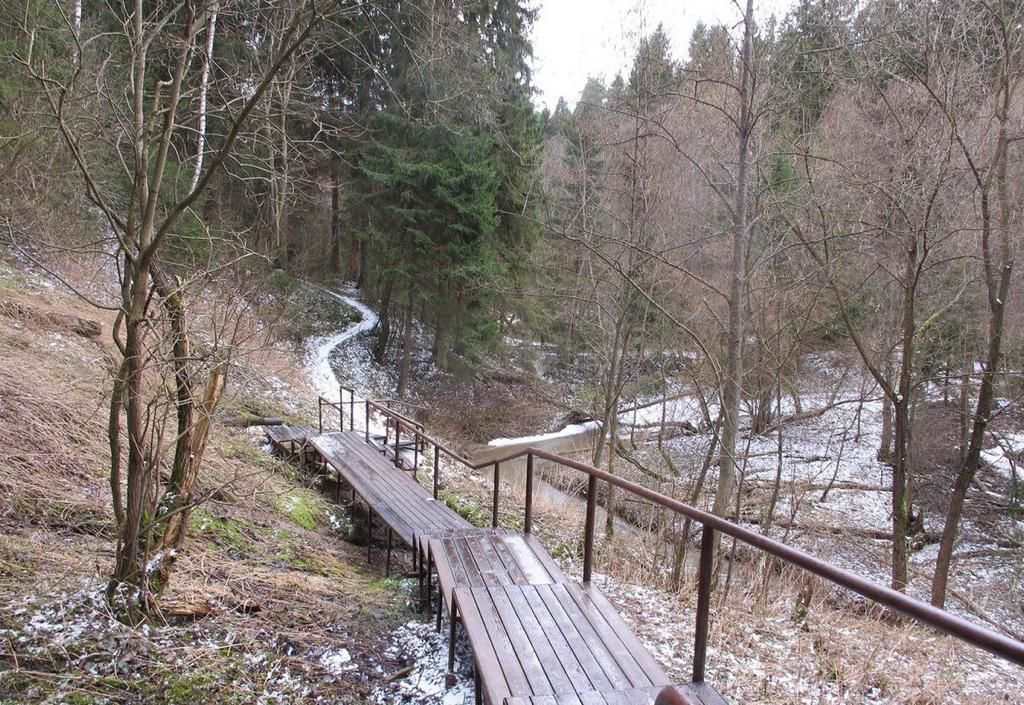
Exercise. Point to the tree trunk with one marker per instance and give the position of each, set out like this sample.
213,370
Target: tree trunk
204,87
963,402
732,384
403,371
901,483
998,290
885,443
355,258
380,347
335,258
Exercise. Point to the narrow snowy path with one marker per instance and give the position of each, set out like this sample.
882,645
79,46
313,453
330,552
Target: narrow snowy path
318,350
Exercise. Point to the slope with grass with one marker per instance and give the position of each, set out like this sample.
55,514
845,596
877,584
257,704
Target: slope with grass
269,604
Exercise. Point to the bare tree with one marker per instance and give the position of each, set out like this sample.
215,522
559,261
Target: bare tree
152,327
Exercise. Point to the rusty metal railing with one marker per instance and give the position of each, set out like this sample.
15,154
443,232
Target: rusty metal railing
321,402
981,637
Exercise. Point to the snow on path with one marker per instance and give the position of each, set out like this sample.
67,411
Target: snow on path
318,350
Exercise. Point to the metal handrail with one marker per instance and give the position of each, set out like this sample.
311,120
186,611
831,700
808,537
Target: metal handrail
982,637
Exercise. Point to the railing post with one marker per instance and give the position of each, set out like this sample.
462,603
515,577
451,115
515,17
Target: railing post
494,501
528,518
588,529
351,410
341,414
704,575
367,420
415,451
320,414
437,466
398,433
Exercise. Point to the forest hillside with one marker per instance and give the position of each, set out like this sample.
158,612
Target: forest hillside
767,270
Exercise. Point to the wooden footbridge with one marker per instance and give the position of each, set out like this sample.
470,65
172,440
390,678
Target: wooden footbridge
538,637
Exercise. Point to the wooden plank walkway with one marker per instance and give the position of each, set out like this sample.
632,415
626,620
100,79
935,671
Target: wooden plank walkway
402,503
565,639
288,439
536,637
486,557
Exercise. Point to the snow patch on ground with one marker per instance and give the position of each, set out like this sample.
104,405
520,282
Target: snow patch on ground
575,429
426,651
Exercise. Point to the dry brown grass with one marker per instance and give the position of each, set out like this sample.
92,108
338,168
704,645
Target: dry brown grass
264,592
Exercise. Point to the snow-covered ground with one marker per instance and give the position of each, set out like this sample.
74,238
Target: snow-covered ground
835,449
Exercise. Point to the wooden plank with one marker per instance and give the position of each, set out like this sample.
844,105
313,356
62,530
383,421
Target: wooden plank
705,693
631,696
492,570
532,567
401,502
590,614
503,622
486,632
557,576
560,664
562,624
488,663
557,598
632,644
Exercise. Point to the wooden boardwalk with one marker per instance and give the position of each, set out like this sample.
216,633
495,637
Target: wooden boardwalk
536,637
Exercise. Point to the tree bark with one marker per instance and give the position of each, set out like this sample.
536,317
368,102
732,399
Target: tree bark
335,257
403,371
380,347
732,384
998,270
204,87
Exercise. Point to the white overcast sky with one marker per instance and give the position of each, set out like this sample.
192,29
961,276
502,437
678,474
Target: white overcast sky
576,39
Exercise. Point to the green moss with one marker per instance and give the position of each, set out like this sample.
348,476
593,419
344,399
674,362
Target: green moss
388,584
304,507
227,532
311,312
324,565
189,688
570,548
283,283
471,513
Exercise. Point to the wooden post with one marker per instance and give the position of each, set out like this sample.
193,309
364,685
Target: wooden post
398,449
450,678
588,529
704,575
494,502
387,563
415,451
367,420
369,533
320,414
528,518
351,410
437,464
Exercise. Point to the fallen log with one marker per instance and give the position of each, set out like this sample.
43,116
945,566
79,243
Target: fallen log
24,312
816,487
244,421
925,537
